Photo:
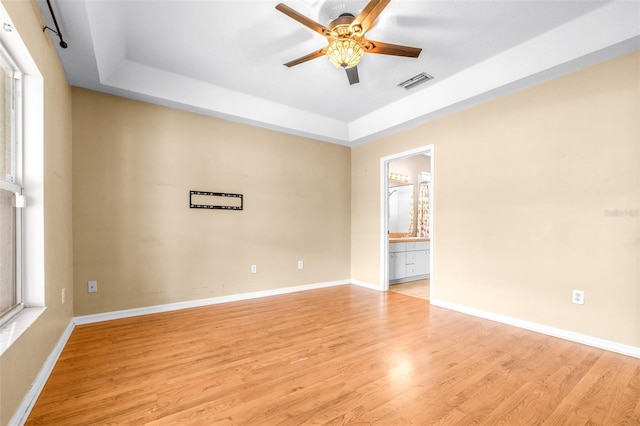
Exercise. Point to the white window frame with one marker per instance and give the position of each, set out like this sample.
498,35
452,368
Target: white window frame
16,185
32,249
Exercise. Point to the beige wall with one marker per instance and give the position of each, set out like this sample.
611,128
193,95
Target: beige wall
133,167
20,364
524,190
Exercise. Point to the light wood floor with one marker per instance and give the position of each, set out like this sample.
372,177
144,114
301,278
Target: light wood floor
341,355
418,288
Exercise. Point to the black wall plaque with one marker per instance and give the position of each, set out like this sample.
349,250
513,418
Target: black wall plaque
215,200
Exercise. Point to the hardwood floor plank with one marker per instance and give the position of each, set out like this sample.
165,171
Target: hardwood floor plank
341,355
602,393
612,398
546,386
475,373
418,288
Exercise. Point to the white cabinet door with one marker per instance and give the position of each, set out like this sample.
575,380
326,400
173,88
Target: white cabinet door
397,265
422,262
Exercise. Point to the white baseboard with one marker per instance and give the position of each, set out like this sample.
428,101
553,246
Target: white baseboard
29,400
365,285
543,329
107,316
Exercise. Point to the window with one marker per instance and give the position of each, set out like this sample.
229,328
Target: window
10,189
22,279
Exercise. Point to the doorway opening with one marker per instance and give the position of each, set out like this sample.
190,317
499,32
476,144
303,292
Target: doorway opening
406,218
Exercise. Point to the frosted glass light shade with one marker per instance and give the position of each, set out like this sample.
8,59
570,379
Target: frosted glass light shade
345,53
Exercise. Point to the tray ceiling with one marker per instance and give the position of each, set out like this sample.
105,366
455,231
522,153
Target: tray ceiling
225,58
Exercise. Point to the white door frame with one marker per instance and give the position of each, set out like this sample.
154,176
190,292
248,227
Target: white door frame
384,211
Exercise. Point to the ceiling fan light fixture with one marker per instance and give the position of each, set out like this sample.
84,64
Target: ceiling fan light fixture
344,53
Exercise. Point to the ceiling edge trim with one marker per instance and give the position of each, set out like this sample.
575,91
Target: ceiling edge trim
524,65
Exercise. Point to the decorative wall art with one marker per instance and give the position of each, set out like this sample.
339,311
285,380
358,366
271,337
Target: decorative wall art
215,200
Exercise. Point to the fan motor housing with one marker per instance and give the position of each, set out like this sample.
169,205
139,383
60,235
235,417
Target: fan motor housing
341,26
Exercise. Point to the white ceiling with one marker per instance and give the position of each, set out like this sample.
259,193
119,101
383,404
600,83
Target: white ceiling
224,58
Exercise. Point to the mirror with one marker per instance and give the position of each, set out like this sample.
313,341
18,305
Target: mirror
401,209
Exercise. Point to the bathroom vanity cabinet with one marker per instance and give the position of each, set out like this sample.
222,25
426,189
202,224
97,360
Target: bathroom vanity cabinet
409,261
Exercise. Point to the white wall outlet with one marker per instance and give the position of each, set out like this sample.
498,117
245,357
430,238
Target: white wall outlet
577,297
64,296
300,264
254,269
92,286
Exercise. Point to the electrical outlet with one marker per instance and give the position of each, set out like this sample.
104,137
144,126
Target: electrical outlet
92,286
254,269
577,297
300,264
64,298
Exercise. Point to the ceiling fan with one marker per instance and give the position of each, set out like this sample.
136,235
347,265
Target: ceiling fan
346,37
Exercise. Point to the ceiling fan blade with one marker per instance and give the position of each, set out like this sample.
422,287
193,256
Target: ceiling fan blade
369,14
306,58
303,19
352,74
391,49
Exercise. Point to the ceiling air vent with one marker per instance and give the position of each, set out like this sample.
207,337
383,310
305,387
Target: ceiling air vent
415,80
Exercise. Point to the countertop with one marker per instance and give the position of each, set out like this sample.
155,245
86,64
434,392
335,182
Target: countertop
408,240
